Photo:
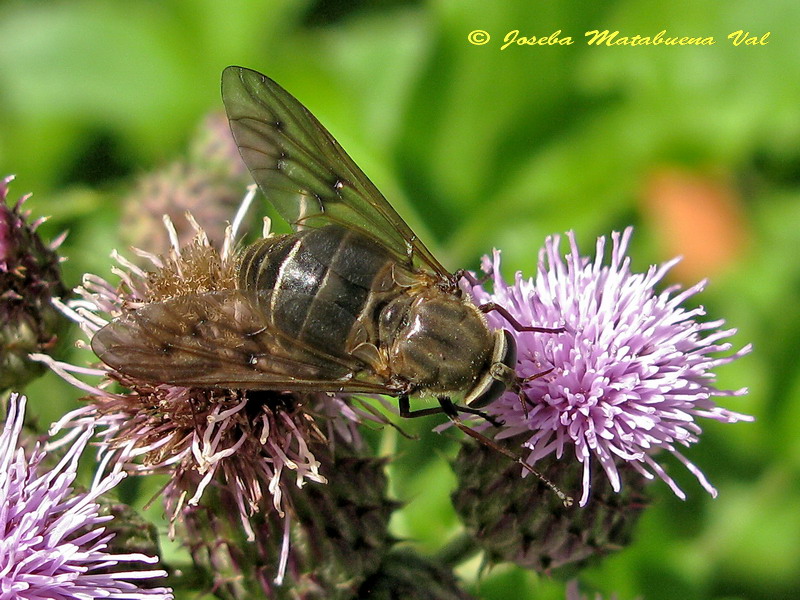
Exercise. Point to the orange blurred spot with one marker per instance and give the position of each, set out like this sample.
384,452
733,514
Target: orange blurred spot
699,217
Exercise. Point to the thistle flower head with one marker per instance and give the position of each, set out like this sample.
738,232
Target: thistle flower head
632,372
54,542
214,149
173,190
543,535
29,277
254,444
339,534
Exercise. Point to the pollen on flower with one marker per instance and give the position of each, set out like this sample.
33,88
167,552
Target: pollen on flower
196,268
632,372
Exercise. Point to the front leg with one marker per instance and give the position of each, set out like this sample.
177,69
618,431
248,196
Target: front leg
471,279
446,406
449,408
407,413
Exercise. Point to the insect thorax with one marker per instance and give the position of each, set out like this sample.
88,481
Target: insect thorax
437,341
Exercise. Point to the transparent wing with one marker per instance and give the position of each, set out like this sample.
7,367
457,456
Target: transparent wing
221,339
305,173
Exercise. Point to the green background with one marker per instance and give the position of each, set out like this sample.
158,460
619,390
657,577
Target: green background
480,147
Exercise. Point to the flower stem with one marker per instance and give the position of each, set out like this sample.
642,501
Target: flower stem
458,550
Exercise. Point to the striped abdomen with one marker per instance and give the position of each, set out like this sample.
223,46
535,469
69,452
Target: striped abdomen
316,284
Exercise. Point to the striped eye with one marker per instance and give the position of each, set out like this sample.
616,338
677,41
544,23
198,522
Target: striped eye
501,374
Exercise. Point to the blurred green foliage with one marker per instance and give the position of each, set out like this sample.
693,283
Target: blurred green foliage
478,148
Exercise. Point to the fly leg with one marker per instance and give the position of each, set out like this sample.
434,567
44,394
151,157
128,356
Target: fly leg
471,279
447,407
407,413
517,387
451,410
474,411
491,306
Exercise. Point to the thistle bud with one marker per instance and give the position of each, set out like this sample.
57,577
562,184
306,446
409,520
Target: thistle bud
174,190
29,277
214,149
132,532
337,535
341,530
210,184
522,521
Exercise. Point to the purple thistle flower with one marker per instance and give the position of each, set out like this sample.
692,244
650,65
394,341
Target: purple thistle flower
631,372
53,541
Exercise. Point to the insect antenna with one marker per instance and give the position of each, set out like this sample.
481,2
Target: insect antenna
517,387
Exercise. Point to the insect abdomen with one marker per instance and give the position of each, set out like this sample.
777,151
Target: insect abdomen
314,285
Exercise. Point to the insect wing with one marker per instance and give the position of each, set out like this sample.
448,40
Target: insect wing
305,173
221,339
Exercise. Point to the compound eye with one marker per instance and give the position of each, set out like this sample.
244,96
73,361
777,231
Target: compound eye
492,393
509,356
500,376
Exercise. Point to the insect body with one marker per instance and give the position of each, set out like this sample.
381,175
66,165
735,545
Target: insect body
337,291
352,301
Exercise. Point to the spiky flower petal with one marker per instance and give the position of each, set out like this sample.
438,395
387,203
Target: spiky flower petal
632,372
54,541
